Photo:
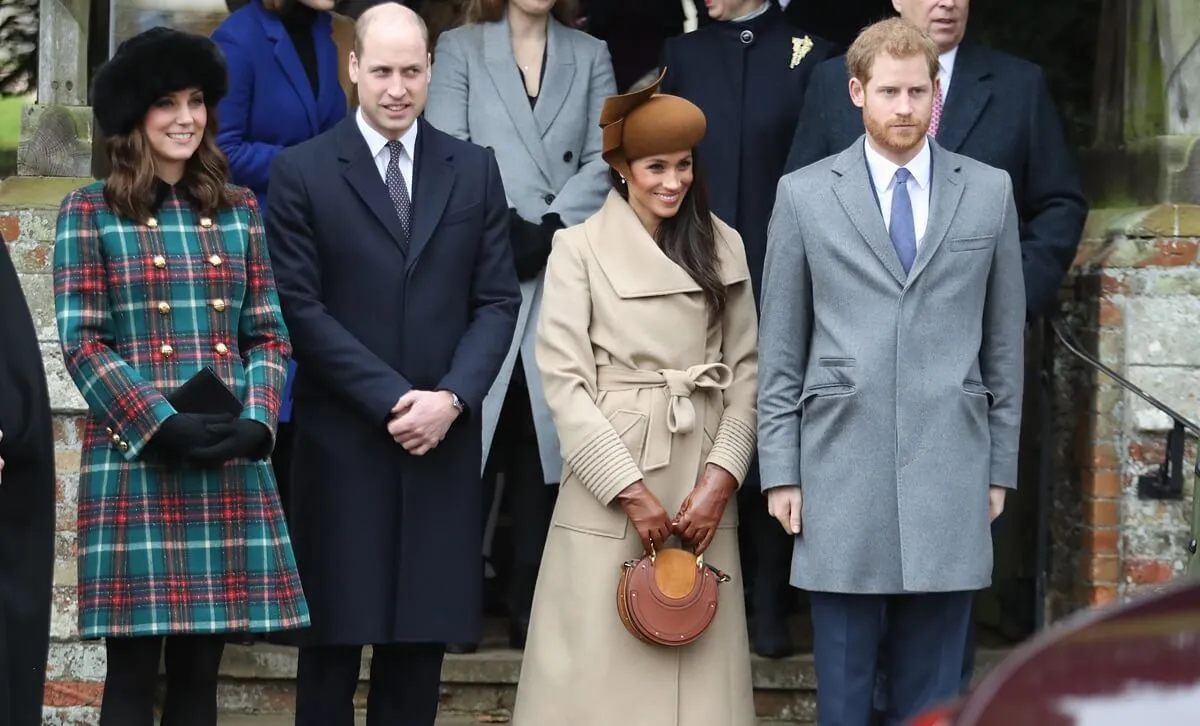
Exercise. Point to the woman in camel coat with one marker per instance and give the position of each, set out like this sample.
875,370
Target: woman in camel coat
646,347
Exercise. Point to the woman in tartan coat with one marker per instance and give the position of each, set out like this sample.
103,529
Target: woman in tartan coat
161,271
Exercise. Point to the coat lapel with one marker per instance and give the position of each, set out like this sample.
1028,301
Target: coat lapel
560,73
969,95
945,192
293,69
363,176
502,68
853,190
635,266
433,178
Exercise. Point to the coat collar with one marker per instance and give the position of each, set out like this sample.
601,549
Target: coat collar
635,266
853,189
969,94
557,77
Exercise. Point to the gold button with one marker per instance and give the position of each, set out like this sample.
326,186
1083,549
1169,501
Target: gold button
215,260
218,305
108,429
222,349
160,261
116,439
152,223
164,308
124,446
166,350
205,222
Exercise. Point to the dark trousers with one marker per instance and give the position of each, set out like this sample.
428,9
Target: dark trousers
920,637
192,662
766,557
515,452
404,688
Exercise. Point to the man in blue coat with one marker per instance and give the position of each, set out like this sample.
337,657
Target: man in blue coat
748,72
389,241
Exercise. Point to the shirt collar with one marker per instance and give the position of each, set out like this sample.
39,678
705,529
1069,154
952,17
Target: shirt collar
753,13
946,60
377,141
883,170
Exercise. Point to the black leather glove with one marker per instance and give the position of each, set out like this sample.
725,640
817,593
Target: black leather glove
183,433
239,439
646,513
531,242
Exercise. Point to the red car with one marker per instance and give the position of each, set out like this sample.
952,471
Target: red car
1133,664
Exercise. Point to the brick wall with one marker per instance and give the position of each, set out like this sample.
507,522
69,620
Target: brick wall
1135,303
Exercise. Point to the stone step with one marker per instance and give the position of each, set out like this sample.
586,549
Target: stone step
442,721
257,681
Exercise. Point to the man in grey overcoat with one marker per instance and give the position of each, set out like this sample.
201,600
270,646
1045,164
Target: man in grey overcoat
891,367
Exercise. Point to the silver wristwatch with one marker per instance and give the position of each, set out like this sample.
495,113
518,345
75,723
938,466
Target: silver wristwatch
457,402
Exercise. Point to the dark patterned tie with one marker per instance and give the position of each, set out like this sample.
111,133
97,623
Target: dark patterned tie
902,228
397,189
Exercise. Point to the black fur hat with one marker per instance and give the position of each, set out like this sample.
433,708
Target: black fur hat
150,65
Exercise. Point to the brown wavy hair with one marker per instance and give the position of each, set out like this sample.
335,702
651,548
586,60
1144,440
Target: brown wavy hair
689,239
491,11
131,186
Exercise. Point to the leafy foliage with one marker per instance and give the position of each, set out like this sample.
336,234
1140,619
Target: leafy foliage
18,46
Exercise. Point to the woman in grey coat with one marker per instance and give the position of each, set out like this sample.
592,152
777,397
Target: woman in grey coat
521,81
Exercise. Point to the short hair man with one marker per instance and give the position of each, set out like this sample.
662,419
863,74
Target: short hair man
891,367
992,107
389,242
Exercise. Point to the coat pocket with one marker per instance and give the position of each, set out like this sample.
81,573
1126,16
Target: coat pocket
967,244
976,388
825,390
577,509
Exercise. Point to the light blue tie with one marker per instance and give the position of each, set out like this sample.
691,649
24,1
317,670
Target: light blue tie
902,229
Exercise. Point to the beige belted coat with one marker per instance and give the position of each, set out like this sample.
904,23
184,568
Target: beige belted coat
641,386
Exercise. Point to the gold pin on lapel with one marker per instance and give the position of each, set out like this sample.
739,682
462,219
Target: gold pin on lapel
800,48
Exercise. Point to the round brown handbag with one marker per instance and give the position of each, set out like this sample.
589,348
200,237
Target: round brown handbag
668,597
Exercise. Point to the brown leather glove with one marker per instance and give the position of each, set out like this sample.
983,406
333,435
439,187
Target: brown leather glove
701,511
646,514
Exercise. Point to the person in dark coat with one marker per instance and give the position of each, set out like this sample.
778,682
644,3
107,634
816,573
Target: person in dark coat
995,108
748,72
635,31
26,508
401,305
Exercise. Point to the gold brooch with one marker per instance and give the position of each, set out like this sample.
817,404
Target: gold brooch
800,48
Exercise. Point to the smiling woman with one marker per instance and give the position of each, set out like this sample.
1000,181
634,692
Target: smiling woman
163,482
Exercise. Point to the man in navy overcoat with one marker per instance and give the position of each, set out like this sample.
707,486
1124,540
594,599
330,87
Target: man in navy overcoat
389,241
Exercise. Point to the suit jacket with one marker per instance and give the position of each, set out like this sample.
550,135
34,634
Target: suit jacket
270,105
892,399
750,88
549,157
388,543
998,111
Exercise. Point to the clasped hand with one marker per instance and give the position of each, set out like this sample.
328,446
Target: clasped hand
420,420
698,517
213,438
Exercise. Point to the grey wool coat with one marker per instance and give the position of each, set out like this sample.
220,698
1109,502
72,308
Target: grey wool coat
549,158
893,400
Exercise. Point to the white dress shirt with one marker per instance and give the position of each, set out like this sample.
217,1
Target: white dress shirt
883,176
377,143
946,70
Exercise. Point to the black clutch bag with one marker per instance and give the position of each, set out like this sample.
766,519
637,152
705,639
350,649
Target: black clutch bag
205,392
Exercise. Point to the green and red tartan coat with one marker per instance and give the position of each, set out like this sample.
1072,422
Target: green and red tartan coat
141,307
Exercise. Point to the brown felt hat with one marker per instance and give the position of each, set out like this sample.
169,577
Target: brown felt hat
646,122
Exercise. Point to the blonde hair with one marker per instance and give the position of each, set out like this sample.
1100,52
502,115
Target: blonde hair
894,37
